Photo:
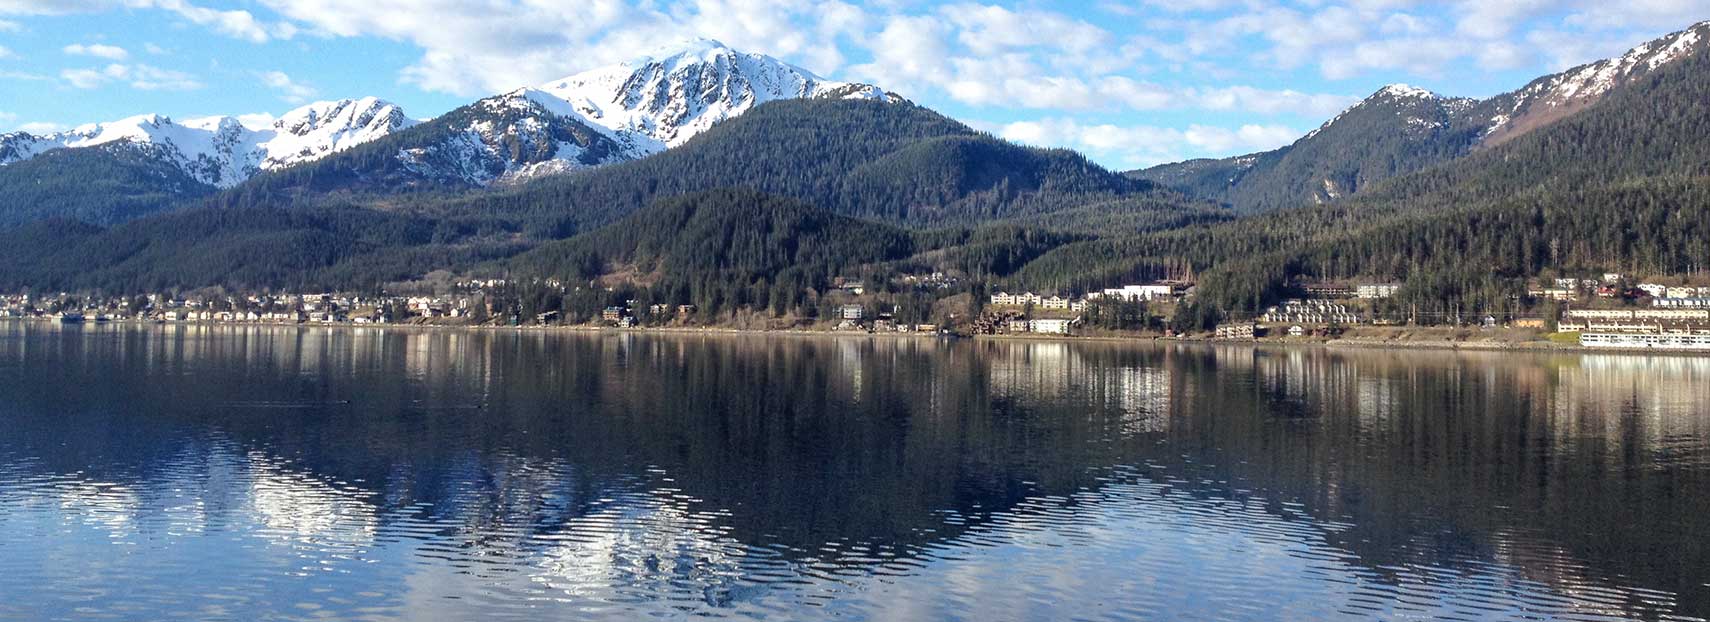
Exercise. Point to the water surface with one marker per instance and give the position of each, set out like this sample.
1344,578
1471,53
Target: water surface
193,472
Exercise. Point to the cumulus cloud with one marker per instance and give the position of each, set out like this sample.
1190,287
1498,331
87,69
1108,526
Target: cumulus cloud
1653,14
140,77
256,121
109,52
234,23
480,48
40,127
53,7
996,57
1128,57
290,90
24,76
1139,146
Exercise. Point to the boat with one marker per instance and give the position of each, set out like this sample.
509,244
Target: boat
69,318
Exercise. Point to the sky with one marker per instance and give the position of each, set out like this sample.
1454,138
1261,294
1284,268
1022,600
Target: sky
1131,83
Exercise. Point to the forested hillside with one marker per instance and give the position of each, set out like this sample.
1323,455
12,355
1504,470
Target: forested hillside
893,162
1620,186
1394,132
723,247
100,185
237,248
1401,130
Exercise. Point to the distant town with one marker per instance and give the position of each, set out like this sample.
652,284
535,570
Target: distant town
1608,311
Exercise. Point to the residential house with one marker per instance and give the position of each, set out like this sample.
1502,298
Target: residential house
1681,303
1051,326
1373,291
1654,290
1327,290
1237,330
1140,293
853,313
1311,311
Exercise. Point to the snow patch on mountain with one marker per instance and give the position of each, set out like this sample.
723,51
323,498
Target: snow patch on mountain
319,129
617,113
663,99
1592,80
222,151
1399,90
612,114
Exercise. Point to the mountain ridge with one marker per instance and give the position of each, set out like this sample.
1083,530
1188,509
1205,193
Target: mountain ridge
1400,129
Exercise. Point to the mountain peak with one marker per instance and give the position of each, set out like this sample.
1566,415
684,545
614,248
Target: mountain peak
689,46
662,100
1401,90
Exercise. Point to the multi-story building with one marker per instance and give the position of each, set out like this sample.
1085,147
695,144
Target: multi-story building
1373,291
1310,311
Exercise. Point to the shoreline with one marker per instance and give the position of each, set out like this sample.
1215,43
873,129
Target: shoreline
1527,347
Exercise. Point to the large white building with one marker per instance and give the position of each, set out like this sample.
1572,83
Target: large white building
1373,291
1136,293
1051,326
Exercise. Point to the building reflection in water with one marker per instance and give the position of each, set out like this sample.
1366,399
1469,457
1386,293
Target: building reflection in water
622,474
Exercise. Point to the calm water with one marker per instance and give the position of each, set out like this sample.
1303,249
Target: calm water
152,473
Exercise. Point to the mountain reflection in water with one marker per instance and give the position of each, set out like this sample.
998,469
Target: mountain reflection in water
216,472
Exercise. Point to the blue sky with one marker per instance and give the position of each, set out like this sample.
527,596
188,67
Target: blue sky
1130,82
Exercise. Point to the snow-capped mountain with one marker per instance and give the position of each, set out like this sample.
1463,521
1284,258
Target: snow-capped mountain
612,114
616,113
1400,129
316,130
663,99
1555,96
518,135
222,151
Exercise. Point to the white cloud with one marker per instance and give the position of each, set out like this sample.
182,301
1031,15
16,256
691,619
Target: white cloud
986,29
480,48
53,7
256,121
6,53
7,117
1648,14
85,78
140,77
1139,146
10,26
1262,101
289,90
1491,19
149,78
109,52
40,127
232,23
23,75
1422,55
